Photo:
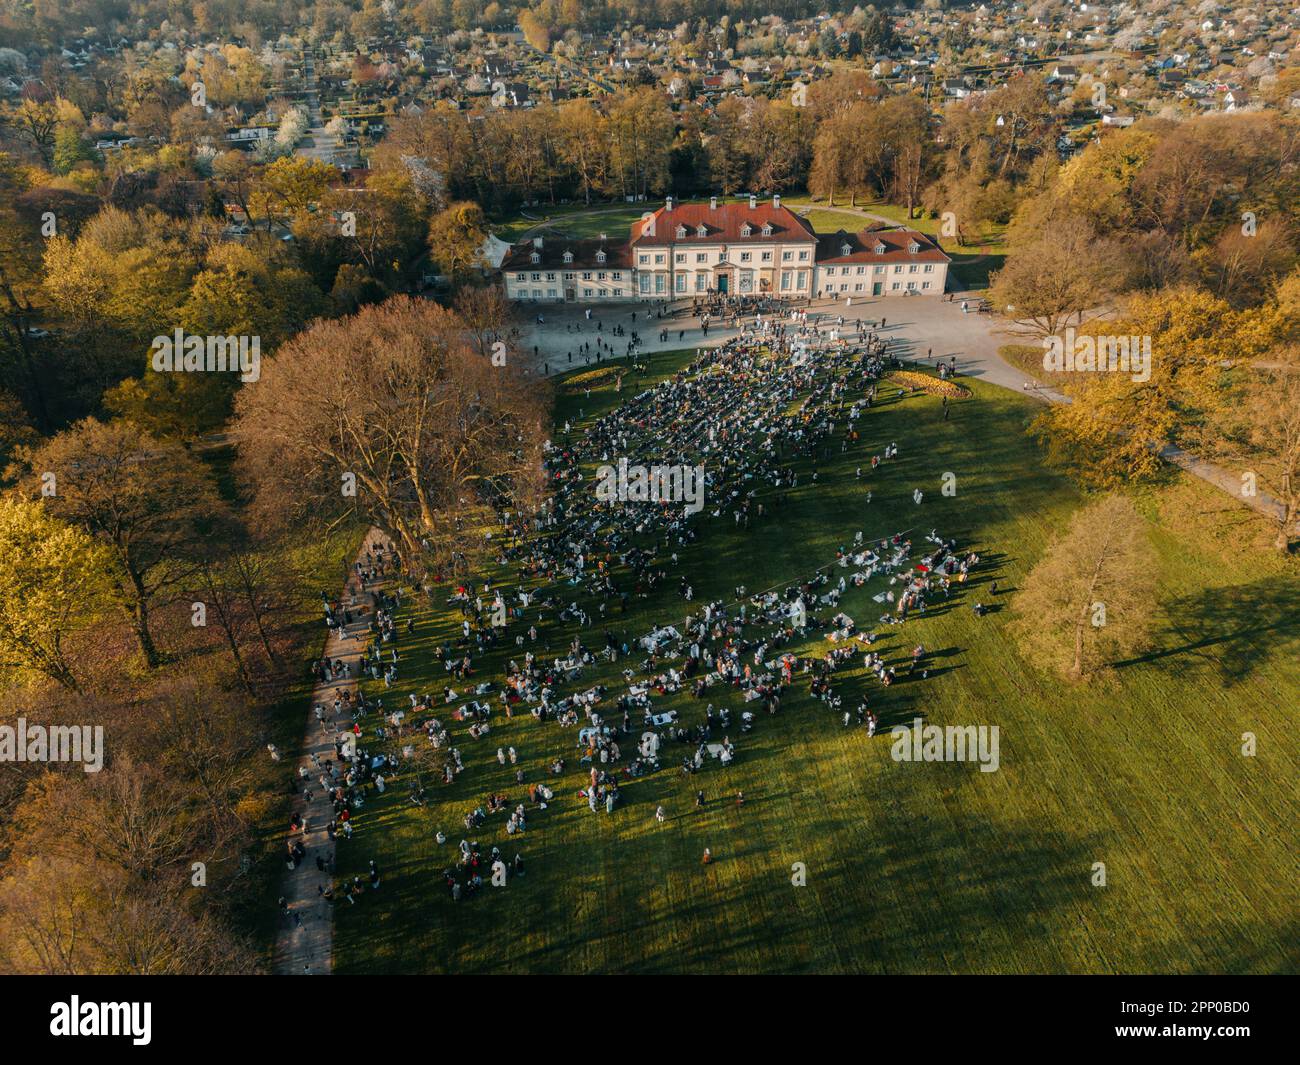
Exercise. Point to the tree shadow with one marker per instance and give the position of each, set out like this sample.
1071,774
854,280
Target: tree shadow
1227,631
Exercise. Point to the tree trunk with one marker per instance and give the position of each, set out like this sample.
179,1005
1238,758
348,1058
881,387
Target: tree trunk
138,612
1291,510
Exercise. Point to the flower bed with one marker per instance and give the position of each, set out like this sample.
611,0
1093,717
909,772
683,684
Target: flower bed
926,383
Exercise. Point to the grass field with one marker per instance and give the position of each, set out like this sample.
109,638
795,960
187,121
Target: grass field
911,867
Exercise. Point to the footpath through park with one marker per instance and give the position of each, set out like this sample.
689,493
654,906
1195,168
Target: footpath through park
305,942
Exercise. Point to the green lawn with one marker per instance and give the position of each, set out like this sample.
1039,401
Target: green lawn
930,867
575,220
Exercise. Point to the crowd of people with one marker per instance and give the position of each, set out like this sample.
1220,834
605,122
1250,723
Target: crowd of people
760,413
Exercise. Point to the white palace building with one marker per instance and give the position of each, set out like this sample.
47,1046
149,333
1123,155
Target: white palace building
685,250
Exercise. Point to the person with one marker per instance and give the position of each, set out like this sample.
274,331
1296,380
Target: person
708,856
660,816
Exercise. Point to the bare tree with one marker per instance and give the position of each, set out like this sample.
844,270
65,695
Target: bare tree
394,417
1088,600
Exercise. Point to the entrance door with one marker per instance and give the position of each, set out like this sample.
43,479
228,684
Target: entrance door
877,287
570,295
722,282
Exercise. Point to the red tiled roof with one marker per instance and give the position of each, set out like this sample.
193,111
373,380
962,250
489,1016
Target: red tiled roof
862,245
723,223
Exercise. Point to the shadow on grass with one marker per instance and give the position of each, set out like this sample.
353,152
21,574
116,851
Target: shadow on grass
1228,631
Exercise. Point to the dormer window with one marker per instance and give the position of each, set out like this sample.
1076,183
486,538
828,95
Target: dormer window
846,248
600,256
913,248
767,229
681,232
701,230
880,248
568,256
534,258
746,230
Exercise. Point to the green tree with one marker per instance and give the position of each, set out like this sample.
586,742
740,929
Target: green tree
456,236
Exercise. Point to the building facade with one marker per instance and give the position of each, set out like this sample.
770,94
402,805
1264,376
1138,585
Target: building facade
879,262
684,251
557,269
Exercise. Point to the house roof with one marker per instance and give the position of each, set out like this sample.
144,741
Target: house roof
551,254
723,223
862,245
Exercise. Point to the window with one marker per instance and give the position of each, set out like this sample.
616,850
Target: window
785,280
586,275
701,282
766,257
925,284
550,277
879,270
550,293
747,281
802,278
534,258
537,293
618,292
746,230
701,230
659,283
880,248
645,284
846,249
803,256
857,286
537,277
617,275
644,260
861,270
898,269
600,256
680,283
587,292
929,268
786,256
913,247
912,269
893,285
680,257
600,276
570,276
568,256
746,256
659,260
520,277
767,229
701,258
911,284
681,232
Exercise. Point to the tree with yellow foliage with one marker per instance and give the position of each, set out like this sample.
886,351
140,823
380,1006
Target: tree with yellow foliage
1087,601
1116,424
50,576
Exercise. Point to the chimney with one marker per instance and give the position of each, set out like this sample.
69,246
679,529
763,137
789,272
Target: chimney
713,203
753,201
537,242
602,238
776,200
668,203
